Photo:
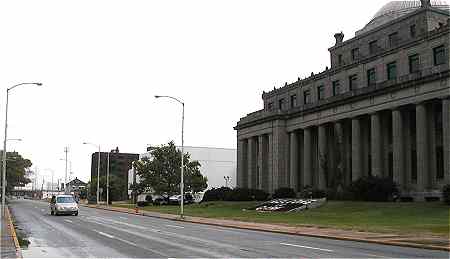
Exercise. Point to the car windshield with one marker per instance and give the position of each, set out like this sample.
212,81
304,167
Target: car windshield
65,200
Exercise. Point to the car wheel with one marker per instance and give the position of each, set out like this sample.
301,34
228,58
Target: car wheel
52,213
76,213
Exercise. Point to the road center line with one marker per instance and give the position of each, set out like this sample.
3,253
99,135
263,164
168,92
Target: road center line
307,247
174,226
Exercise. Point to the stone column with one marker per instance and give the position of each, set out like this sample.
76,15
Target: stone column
260,163
398,153
307,158
375,145
446,137
293,159
324,160
422,146
251,162
356,149
340,153
270,170
431,177
240,164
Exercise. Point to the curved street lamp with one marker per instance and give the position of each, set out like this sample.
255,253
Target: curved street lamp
98,169
182,150
4,144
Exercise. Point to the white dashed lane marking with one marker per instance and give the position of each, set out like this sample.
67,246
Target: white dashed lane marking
174,226
307,247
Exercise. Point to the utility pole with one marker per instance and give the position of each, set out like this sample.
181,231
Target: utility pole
66,149
42,188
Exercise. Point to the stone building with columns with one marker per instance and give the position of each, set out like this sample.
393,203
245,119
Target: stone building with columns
382,109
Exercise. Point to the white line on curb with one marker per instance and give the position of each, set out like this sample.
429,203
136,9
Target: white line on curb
307,247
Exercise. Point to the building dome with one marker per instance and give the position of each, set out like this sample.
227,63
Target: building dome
396,9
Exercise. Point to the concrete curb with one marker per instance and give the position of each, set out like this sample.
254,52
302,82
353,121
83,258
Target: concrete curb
13,233
343,238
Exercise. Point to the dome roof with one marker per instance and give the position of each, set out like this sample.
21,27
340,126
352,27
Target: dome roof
396,9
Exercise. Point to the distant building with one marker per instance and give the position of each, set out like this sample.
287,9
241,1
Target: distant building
76,185
119,164
381,109
217,164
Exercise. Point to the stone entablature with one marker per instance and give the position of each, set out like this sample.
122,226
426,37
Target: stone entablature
430,74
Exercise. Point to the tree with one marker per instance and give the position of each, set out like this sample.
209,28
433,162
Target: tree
17,170
162,172
117,188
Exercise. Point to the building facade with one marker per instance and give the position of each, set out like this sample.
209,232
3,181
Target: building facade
382,109
119,164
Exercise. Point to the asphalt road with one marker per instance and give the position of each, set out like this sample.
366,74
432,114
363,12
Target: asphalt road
100,233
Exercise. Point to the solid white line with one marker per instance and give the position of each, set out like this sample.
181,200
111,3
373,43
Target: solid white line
308,247
174,226
68,220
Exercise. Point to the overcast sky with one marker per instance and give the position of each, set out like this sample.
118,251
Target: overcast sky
101,63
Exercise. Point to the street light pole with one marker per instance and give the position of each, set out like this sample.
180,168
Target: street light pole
4,145
107,182
182,153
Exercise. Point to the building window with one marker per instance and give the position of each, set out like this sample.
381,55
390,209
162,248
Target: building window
340,59
280,104
307,97
355,54
336,87
439,55
373,47
414,63
393,39
371,77
270,106
352,82
412,31
321,92
391,70
293,100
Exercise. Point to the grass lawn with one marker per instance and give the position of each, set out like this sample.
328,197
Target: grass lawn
415,218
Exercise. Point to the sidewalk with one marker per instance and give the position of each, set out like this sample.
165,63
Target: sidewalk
9,246
425,242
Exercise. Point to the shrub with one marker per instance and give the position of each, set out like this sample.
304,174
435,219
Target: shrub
309,192
283,193
240,194
446,194
217,194
373,188
259,195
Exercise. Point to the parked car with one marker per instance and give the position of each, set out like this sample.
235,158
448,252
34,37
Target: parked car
159,199
63,204
176,199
